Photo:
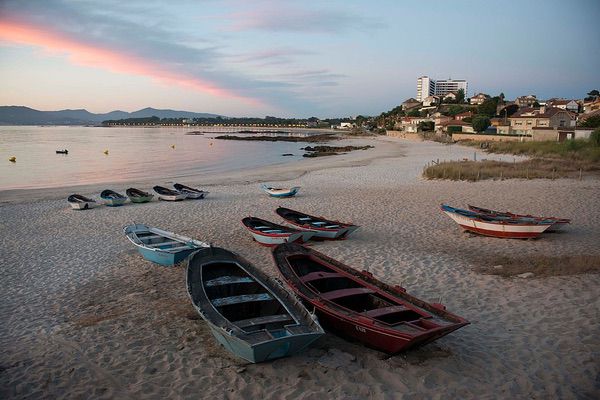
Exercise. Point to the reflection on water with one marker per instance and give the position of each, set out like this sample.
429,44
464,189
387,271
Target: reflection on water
133,153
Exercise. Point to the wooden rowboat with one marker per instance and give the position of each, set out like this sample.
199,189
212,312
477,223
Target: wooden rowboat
557,223
79,202
251,315
322,227
168,194
280,192
190,193
160,246
491,226
138,196
356,305
112,198
270,234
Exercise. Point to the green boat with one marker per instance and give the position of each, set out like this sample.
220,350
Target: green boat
138,196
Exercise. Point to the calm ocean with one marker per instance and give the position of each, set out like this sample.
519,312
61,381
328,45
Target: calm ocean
133,153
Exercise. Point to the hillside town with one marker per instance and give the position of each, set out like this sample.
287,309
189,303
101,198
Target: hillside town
441,109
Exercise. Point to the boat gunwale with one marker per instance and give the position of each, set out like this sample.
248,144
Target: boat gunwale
342,225
170,235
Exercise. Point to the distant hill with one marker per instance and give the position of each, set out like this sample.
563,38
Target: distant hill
20,115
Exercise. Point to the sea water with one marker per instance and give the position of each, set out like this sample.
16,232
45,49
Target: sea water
132,153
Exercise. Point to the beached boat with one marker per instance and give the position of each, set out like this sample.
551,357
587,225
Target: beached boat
79,202
138,196
168,194
557,223
112,198
190,193
270,234
491,226
160,246
251,315
280,192
322,227
65,151
356,305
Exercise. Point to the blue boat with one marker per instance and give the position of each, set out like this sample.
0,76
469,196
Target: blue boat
251,315
280,192
159,246
112,198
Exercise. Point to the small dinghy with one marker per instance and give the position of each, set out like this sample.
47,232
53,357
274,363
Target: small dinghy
490,226
251,315
280,192
270,234
190,193
79,202
557,223
159,246
112,198
356,305
322,227
168,194
138,196
65,151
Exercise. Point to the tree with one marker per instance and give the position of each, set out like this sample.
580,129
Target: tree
591,122
488,107
594,93
480,123
426,126
595,137
460,96
414,113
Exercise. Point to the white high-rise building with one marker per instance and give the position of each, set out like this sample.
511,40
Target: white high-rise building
425,87
428,87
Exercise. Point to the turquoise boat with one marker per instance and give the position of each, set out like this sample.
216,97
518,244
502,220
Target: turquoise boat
112,198
280,192
159,246
251,315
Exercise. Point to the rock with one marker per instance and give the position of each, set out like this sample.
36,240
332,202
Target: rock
240,370
287,154
498,266
525,275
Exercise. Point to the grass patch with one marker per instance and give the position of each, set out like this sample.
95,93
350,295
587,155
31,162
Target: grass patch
540,266
530,169
582,150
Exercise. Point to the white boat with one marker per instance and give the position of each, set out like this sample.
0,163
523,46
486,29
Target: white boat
323,228
280,192
269,234
190,192
510,229
79,202
168,194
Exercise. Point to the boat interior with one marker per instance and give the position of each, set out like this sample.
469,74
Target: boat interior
352,295
156,241
265,226
243,301
303,219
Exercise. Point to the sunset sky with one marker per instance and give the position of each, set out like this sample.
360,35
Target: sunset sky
289,58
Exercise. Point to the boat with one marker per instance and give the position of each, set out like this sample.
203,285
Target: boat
160,246
356,305
112,198
558,223
65,151
490,226
323,228
280,192
168,194
190,193
270,234
251,315
80,202
138,196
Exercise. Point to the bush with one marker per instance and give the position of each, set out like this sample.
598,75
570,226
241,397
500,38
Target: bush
595,137
480,123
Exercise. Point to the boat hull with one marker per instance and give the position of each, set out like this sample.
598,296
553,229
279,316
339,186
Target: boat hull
273,240
280,193
177,197
499,230
114,202
266,351
165,258
144,199
82,205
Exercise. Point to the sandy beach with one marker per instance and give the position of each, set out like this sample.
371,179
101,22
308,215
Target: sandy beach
84,316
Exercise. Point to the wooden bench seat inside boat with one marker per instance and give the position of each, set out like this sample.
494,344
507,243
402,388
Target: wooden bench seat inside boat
163,244
267,319
245,298
144,237
378,312
228,280
337,294
313,276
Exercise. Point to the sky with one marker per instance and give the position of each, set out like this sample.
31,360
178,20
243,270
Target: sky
333,58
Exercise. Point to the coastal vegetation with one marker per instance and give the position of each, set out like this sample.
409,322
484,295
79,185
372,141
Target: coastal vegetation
550,160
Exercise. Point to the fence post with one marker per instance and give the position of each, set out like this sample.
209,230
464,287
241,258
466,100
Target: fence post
527,173
459,174
501,177
478,172
580,173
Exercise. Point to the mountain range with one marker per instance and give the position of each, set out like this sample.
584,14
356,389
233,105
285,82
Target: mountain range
20,115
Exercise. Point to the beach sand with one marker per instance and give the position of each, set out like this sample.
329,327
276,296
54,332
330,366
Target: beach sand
82,315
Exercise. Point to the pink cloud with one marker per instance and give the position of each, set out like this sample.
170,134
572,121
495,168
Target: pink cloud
84,54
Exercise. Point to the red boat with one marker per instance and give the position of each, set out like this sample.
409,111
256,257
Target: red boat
356,305
558,224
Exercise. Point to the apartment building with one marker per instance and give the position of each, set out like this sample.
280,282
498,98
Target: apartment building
428,87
